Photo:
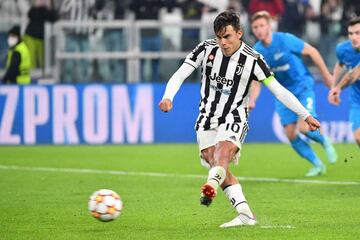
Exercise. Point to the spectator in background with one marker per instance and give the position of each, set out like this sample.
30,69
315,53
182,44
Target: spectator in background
239,7
112,70
191,10
350,11
276,9
234,5
40,13
330,26
296,13
11,12
150,37
77,39
18,60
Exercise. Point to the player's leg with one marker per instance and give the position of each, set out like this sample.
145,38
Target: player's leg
235,133
307,98
318,137
229,138
357,136
207,157
223,154
207,160
355,123
304,150
234,193
206,141
289,121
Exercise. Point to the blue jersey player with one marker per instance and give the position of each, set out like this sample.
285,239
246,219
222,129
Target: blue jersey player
348,54
283,52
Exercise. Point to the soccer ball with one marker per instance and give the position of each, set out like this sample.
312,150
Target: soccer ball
105,205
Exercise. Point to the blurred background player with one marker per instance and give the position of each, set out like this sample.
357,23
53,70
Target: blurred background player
283,53
348,54
229,67
18,62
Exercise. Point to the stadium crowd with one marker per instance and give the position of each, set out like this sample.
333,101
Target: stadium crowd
320,22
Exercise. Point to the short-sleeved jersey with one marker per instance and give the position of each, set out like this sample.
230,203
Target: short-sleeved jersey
225,82
284,58
350,57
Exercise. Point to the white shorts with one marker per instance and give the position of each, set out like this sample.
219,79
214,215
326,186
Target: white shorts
232,132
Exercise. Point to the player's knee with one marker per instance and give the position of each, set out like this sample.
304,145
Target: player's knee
291,131
224,153
204,163
207,156
357,140
357,136
291,135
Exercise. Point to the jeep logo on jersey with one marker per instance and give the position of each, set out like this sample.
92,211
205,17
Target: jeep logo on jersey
222,80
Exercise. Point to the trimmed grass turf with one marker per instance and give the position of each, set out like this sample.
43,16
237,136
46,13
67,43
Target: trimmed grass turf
53,205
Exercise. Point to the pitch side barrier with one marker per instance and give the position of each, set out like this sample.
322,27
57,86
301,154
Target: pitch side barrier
129,114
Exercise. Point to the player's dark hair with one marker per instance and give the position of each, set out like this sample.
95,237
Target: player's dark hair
261,14
353,21
225,19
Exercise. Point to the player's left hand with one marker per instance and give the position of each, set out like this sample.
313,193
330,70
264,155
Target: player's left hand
251,104
334,96
313,123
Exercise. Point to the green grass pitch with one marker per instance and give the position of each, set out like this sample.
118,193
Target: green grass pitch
44,194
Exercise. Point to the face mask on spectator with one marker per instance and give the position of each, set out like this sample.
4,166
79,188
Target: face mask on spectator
12,41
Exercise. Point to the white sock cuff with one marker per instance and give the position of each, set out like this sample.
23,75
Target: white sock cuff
235,190
217,175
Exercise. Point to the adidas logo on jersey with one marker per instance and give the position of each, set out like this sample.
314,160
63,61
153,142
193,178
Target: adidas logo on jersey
233,138
222,80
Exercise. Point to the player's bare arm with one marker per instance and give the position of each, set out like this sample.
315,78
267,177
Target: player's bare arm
315,56
254,94
338,69
349,78
353,75
334,94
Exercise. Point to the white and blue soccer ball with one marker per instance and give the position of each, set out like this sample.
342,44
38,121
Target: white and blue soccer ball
105,205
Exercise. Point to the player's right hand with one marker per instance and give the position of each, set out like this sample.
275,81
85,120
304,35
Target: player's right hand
313,123
165,105
251,104
334,96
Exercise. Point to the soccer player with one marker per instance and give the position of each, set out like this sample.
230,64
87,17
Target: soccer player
283,52
229,66
348,54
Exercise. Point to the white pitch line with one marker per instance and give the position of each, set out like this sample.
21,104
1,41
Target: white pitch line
155,174
277,226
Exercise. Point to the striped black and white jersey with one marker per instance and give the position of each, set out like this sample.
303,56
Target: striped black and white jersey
225,82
